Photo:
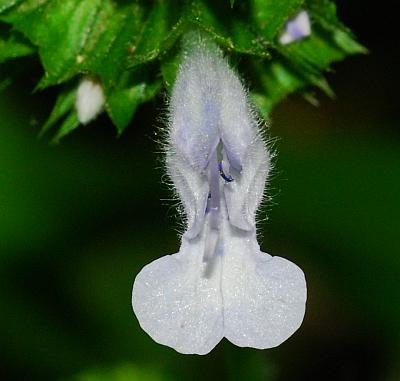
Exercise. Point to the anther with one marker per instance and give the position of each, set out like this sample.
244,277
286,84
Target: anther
227,178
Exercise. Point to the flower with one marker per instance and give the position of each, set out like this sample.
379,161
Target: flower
296,28
89,100
219,284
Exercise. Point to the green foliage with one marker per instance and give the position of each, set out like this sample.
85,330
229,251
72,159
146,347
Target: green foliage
63,105
125,372
14,45
78,222
122,104
126,45
270,15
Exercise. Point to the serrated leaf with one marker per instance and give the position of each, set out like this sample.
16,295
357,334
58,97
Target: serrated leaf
277,81
270,15
320,49
246,41
60,28
14,46
108,38
69,124
311,75
5,4
324,13
315,50
230,32
300,64
65,103
348,44
161,29
80,36
112,42
279,78
122,104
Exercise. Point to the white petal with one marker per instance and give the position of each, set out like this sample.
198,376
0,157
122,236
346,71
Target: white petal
89,100
264,298
178,303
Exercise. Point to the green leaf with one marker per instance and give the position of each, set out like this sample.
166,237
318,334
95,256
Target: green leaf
232,33
65,103
122,104
112,42
311,75
324,13
161,29
320,49
270,15
69,124
5,4
277,81
329,42
60,28
14,46
80,36
301,64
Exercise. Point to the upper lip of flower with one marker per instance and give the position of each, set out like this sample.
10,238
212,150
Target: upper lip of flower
212,125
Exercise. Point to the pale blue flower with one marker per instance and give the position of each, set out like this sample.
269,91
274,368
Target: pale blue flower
219,284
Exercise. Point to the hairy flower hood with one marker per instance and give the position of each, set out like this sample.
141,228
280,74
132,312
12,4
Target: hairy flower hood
219,284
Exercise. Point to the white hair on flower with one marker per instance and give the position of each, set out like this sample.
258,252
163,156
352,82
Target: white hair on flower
219,284
89,100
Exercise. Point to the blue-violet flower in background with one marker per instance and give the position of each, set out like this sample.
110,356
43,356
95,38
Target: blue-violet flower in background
296,28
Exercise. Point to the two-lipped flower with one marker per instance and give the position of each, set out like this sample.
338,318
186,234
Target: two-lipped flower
219,284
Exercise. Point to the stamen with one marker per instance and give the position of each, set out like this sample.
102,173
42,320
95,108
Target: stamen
213,210
228,178
212,233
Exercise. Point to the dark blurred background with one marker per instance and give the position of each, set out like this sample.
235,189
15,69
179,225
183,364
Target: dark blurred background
79,220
